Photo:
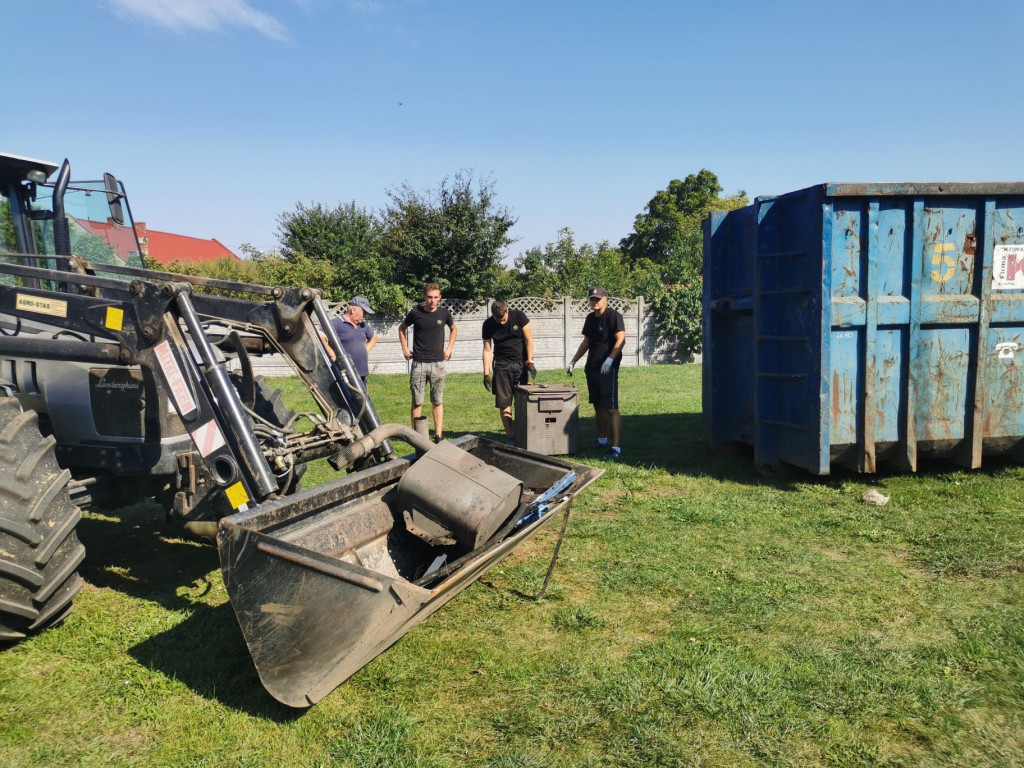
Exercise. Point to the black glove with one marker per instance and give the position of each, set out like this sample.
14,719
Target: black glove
487,382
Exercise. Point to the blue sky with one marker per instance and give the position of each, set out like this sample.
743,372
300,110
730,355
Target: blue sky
219,115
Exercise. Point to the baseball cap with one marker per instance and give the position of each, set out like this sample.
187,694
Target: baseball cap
363,303
597,290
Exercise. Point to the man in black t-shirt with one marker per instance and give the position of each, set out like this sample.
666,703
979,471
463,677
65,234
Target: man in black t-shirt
508,331
604,334
428,354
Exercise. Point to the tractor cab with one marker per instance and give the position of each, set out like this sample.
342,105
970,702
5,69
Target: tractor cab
34,206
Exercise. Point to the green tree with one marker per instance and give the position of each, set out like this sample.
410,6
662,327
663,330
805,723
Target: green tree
453,236
334,235
339,247
564,269
668,232
667,241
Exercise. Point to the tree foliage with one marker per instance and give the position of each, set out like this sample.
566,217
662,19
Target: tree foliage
325,234
454,236
667,239
338,250
563,268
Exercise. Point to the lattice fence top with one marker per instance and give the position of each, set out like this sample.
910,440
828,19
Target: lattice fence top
582,306
533,304
462,306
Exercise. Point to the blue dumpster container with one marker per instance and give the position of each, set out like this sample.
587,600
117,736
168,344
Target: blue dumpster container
867,323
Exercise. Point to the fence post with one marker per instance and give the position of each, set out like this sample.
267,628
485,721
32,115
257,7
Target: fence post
566,331
640,330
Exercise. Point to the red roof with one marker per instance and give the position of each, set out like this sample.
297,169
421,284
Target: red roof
166,247
119,238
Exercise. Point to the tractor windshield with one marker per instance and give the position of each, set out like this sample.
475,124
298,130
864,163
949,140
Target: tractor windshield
96,234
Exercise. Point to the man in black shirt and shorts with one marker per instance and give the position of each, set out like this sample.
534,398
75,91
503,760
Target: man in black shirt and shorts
604,334
509,332
428,354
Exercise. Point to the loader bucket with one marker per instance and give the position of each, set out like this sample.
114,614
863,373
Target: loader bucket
325,580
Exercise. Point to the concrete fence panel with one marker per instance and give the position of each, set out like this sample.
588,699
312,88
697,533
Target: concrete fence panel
557,326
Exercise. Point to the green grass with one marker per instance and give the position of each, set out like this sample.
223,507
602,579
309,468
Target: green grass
699,615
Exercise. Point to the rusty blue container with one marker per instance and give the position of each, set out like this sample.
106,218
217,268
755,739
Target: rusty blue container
858,324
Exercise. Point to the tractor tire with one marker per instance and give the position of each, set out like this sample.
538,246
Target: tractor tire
39,548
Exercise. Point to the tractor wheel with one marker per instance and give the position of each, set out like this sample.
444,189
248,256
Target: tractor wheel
39,549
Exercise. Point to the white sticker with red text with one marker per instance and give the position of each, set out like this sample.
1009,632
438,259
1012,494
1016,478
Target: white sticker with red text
175,379
1008,267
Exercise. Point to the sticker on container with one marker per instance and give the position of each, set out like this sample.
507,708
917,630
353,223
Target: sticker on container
208,438
1008,267
176,380
28,303
1006,349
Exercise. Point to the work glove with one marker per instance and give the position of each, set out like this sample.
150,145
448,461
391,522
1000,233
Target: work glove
533,371
568,371
487,382
606,366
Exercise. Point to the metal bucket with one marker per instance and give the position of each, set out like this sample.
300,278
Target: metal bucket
324,581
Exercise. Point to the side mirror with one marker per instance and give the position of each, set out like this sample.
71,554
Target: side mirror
113,198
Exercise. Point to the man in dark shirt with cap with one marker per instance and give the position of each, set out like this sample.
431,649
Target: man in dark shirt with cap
604,335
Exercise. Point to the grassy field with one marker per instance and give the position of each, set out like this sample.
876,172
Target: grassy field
699,615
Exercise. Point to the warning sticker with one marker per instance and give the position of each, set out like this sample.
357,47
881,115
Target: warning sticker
28,303
236,495
115,318
208,438
175,379
1008,267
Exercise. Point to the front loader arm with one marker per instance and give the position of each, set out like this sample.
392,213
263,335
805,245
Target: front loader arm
165,327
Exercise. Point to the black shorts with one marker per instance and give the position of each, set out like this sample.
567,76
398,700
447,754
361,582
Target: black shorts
504,381
604,388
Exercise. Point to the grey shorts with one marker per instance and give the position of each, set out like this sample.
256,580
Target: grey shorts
420,375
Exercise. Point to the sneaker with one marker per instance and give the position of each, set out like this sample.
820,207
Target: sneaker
615,454
599,446
438,438
511,441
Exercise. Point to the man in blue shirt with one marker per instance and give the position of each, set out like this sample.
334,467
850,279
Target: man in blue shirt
355,335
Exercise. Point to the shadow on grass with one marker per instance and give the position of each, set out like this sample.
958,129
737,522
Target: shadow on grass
136,552
675,443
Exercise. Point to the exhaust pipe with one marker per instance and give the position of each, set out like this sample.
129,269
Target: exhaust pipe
61,228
